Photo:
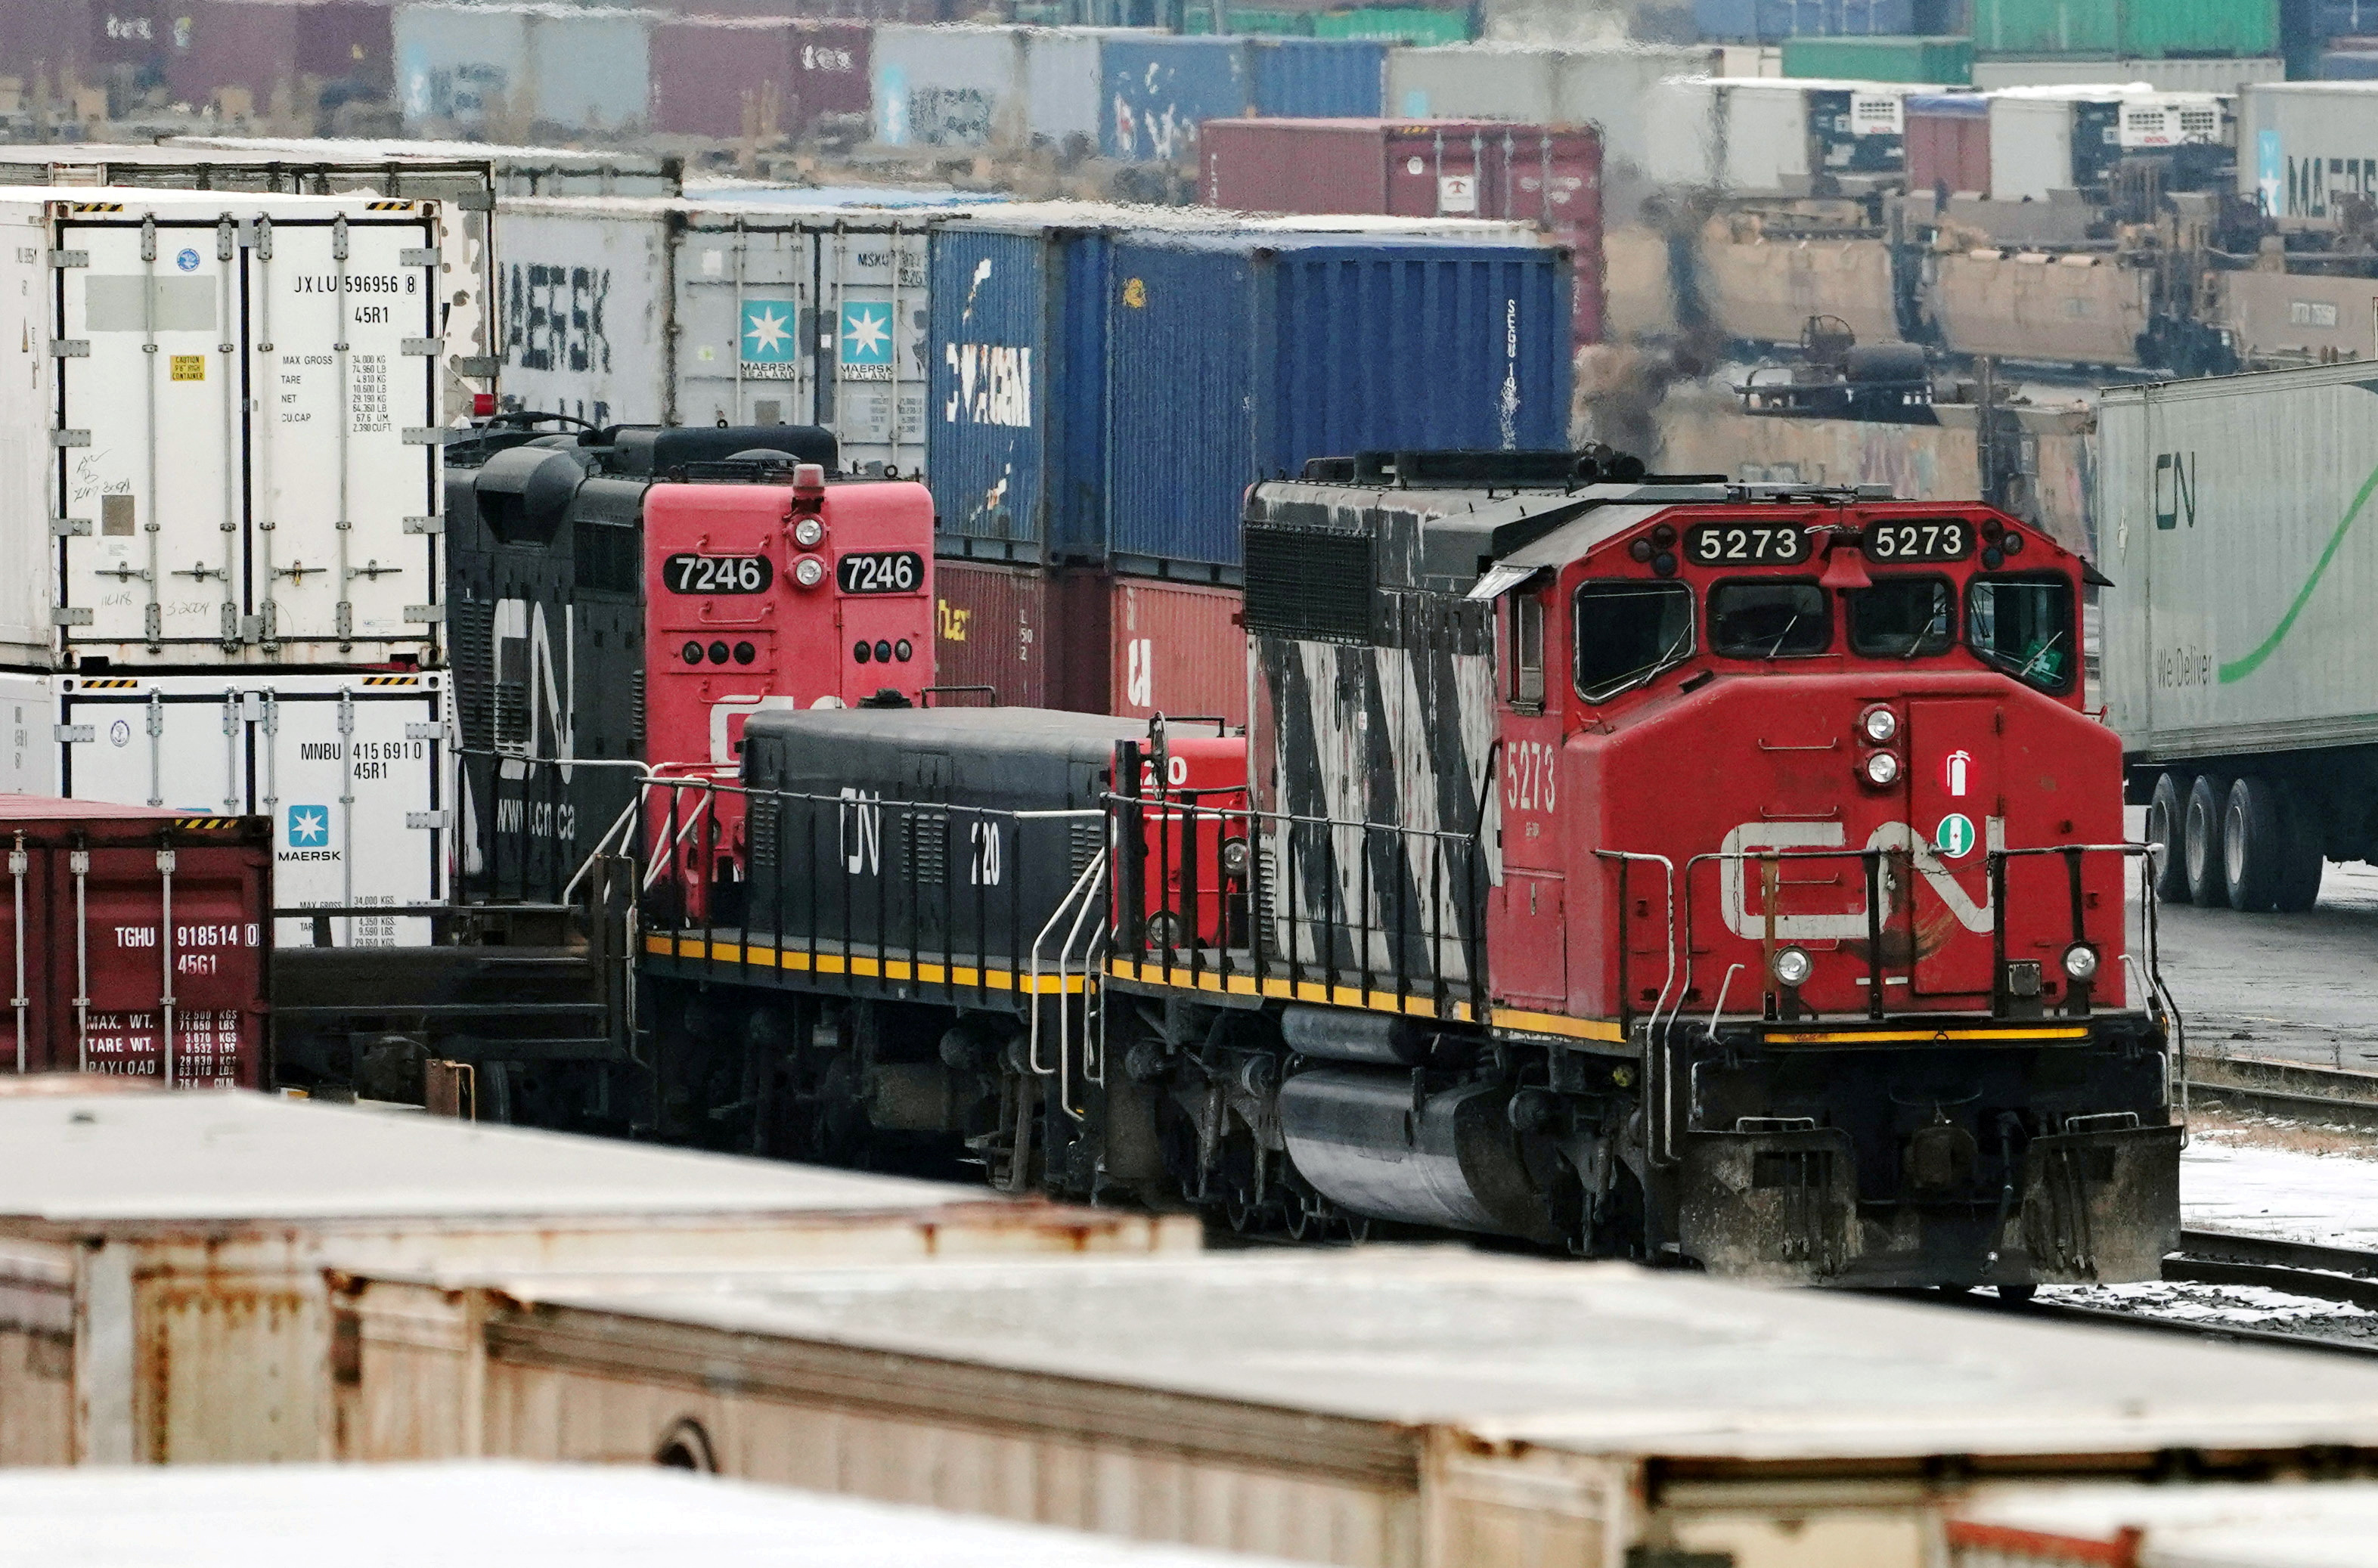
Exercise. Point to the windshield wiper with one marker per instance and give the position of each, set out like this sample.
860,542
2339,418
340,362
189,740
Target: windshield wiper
1785,633
2045,648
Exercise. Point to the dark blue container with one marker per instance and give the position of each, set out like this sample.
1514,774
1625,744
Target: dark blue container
1106,397
2344,18
1321,79
1157,89
2348,65
1234,358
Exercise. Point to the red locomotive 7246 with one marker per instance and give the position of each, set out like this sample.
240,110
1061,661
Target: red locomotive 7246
1666,867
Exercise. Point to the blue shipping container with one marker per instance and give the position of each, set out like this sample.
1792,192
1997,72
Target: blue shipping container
1234,358
1156,89
2344,18
1321,79
1771,21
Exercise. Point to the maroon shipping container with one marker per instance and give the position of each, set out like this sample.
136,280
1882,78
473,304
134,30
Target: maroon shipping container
261,45
1949,146
706,69
158,922
82,39
1548,176
1089,643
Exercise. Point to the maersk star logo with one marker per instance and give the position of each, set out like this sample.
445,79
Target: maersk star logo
309,826
767,331
867,334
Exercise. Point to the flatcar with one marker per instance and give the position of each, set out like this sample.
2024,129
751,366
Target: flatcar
1648,867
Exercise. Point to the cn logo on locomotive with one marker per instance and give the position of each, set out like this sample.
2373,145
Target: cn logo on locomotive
1737,885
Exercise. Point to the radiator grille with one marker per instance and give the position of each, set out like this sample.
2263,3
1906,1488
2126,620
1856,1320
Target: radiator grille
1084,840
1308,585
472,630
925,839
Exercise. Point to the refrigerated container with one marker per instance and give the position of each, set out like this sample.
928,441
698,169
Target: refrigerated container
316,54
730,77
1547,175
2238,660
1374,1407
687,312
1104,394
351,768
2047,139
138,939
499,70
1778,137
2304,147
173,1256
224,452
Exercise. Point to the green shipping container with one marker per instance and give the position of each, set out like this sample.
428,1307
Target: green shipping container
1946,61
1409,25
1200,18
2150,29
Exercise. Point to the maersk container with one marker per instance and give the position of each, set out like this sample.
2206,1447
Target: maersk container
2115,29
1234,358
689,313
1948,61
500,70
135,944
351,768
221,451
2304,147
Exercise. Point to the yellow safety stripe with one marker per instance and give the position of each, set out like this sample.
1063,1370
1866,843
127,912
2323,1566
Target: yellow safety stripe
959,976
392,680
1556,1024
1180,977
197,824
1942,1036
109,682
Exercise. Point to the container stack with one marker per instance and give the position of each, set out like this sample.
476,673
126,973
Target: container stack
1101,395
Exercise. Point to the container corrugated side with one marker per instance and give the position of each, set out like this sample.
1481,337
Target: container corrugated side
1279,165
2239,620
1946,61
2223,74
1773,22
270,47
1402,26
997,627
1172,648
995,450
2295,139
463,69
593,69
1949,143
710,73
1316,77
2118,29
1474,81
1234,360
1158,90
582,296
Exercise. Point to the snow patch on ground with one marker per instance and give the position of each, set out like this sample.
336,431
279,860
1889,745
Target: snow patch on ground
2244,1305
2294,1195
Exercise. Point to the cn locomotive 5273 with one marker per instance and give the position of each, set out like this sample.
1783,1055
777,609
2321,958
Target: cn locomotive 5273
1639,867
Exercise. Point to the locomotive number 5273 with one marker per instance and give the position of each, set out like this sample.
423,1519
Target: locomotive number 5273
1735,543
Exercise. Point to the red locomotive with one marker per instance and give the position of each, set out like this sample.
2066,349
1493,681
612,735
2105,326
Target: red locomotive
1646,867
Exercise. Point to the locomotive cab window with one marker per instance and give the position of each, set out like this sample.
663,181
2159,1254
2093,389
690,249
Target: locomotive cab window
1769,619
1527,652
1627,632
1900,617
2024,626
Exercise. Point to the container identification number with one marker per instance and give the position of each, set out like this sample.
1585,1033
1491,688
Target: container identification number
881,572
1734,544
1948,541
717,574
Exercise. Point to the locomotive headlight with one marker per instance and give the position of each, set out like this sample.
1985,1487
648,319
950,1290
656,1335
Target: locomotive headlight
809,571
1879,725
808,533
1234,857
1882,768
1793,966
2080,961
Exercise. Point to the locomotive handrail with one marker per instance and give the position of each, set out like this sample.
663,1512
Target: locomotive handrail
1653,1053
1079,891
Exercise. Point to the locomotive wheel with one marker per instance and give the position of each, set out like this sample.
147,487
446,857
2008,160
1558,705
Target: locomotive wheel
1240,1209
2299,826
2254,845
2208,883
2166,812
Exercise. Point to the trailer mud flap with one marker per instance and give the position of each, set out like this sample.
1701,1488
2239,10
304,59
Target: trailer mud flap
2099,1206
1774,1206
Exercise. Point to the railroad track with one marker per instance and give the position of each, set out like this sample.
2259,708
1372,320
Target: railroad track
2286,1088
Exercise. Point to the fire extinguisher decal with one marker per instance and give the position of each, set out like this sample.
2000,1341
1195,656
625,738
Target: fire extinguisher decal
1952,772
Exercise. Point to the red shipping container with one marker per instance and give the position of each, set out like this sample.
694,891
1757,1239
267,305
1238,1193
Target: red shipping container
85,913
1548,176
706,69
263,45
1088,642
1948,145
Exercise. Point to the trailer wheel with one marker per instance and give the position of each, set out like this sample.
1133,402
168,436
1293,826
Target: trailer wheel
2300,828
2208,800
2253,845
2166,808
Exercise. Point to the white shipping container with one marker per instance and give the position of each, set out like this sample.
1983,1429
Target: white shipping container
1608,88
2227,74
949,86
352,767
2305,145
687,313
1755,136
222,450
2239,619
2033,130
